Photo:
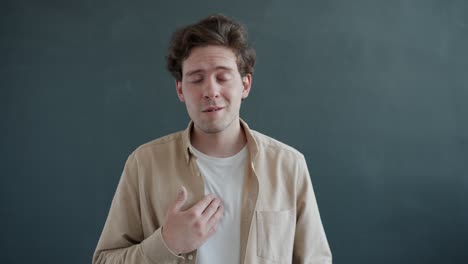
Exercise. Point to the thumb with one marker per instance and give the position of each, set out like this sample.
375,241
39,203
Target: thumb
180,200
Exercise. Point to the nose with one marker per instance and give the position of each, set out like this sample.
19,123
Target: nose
211,89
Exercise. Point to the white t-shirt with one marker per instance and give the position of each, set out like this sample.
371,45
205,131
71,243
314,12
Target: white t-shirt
224,178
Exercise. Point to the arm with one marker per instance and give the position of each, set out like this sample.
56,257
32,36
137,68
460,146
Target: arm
122,239
310,242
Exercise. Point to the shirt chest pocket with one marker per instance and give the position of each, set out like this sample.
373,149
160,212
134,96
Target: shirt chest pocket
275,235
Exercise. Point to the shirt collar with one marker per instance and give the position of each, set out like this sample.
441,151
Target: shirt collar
252,145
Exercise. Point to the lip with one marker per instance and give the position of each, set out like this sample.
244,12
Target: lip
212,109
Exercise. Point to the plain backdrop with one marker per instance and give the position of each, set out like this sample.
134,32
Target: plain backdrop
374,93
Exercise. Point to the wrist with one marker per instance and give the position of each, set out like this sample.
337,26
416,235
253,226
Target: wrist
169,246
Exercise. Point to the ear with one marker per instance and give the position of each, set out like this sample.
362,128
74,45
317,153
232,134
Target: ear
180,94
246,83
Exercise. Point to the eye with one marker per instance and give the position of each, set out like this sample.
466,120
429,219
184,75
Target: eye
223,77
195,80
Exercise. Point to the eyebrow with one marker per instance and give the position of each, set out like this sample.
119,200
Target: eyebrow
200,70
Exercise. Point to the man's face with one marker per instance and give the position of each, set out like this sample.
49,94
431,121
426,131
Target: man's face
212,88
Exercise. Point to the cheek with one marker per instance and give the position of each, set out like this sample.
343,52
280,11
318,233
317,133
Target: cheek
189,94
234,91
192,101
235,98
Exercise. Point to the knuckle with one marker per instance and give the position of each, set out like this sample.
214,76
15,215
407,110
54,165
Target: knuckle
197,224
200,234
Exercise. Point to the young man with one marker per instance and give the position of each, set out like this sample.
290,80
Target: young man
217,192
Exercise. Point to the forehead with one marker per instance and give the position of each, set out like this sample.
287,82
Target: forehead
209,58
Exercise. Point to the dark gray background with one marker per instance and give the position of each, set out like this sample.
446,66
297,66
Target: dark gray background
374,93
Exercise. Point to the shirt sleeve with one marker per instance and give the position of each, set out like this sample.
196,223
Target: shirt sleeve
310,242
122,239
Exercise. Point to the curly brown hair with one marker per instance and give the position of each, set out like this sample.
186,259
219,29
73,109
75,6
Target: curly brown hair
214,30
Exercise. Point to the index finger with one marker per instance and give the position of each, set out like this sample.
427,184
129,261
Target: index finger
201,205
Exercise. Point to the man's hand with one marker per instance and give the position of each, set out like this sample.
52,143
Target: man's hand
185,231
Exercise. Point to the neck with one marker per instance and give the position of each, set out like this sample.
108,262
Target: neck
222,144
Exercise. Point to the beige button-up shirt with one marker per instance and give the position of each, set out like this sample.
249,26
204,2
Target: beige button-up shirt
280,221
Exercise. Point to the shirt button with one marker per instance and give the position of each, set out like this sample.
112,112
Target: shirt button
190,257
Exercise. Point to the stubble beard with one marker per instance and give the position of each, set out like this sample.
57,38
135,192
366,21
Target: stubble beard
213,127
216,129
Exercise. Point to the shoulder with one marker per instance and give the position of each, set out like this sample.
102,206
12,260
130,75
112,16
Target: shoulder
164,145
162,141
271,146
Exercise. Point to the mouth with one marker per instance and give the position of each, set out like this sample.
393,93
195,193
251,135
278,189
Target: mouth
212,109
